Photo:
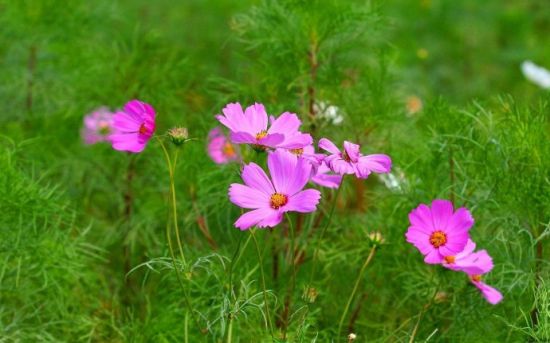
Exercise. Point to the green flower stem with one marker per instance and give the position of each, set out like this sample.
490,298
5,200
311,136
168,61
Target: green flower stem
355,287
169,239
421,314
262,275
323,231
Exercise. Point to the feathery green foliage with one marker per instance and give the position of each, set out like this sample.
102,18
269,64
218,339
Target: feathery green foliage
83,251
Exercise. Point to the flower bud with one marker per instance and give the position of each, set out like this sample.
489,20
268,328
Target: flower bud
376,238
352,337
178,135
310,294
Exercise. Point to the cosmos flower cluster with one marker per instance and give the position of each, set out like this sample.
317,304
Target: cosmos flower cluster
439,232
292,163
128,129
442,236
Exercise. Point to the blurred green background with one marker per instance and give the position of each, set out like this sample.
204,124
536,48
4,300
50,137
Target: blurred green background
75,220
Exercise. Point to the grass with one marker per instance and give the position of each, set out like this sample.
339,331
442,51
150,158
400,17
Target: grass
83,228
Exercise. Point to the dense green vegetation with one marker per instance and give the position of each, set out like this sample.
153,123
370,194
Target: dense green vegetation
83,250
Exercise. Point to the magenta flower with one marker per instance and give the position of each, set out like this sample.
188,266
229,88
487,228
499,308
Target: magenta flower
469,261
220,149
491,294
351,161
438,231
475,264
135,125
251,127
325,177
98,126
270,199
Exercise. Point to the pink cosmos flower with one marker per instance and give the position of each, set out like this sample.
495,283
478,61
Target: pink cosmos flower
269,198
251,127
469,261
492,295
325,177
221,151
438,231
475,264
98,126
135,125
351,161
320,172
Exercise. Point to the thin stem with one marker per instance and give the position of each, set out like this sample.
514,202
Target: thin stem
288,303
357,282
186,332
171,171
320,239
267,312
236,256
230,331
169,239
424,310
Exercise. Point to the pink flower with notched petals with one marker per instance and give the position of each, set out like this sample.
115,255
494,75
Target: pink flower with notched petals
491,294
321,174
475,264
325,177
469,261
269,198
251,127
220,149
135,125
351,161
98,126
439,231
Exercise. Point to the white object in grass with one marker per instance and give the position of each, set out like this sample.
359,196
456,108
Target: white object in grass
536,74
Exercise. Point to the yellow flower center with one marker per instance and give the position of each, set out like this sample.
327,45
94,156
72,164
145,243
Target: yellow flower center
228,150
438,238
297,152
345,156
142,129
104,129
278,200
261,134
450,259
475,278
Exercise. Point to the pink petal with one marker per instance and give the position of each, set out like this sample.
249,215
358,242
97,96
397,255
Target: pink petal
286,124
296,141
468,249
461,220
304,201
352,150
257,117
377,163
126,123
282,167
455,244
254,176
340,166
271,140
433,257
273,219
327,145
442,211
242,138
419,239
126,142
492,295
421,217
234,118
254,217
476,263
247,197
